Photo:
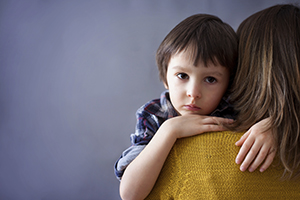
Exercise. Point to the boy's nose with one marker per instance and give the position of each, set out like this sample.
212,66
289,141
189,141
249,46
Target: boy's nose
194,92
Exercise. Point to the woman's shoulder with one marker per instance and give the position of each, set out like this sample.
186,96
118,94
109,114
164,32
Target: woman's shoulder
203,167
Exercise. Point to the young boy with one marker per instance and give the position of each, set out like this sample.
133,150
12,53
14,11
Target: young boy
196,62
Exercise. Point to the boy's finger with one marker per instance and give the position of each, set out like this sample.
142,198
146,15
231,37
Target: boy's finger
218,120
250,156
211,128
224,120
244,150
242,139
268,161
261,156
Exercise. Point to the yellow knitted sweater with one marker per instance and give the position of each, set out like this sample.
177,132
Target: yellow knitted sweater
203,167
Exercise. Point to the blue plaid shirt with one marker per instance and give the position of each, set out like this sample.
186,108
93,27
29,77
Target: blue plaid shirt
149,118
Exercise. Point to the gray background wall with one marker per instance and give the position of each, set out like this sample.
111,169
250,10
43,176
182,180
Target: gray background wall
72,74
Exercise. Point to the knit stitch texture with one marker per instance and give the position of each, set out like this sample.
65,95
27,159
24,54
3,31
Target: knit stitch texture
203,167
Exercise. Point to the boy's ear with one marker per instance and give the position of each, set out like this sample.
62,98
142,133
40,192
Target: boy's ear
166,86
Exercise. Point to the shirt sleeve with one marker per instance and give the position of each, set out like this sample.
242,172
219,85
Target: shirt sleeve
126,158
146,127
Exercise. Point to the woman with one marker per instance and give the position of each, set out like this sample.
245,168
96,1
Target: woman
266,87
267,84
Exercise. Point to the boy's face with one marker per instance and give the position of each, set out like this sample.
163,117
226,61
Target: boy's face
195,89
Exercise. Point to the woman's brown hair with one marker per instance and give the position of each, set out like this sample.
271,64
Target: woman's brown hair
267,82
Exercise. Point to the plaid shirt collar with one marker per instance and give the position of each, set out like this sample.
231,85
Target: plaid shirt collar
167,110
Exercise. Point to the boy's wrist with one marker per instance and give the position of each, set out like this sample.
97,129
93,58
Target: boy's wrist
169,129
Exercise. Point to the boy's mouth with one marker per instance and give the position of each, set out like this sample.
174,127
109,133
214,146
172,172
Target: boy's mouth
192,107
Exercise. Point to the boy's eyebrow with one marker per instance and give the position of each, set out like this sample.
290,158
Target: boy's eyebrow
179,67
215,73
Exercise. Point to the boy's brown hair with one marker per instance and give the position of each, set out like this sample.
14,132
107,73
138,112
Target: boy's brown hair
206,37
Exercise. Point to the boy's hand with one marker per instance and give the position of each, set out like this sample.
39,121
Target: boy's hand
257,146
189,125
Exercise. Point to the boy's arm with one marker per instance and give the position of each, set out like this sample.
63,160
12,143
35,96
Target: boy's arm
141,174
257,147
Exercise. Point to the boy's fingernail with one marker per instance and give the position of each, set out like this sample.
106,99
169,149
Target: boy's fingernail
261,169
242,168
251,169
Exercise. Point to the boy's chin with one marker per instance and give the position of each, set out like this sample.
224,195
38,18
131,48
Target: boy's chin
189,113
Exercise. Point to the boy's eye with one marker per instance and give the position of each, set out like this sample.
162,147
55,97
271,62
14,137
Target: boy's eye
182,76
210,79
